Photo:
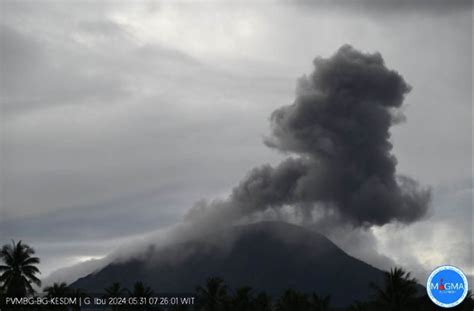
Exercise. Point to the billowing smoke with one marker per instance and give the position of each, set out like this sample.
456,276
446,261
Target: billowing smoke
337,136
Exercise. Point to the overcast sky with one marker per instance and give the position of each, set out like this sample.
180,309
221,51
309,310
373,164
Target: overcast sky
118,116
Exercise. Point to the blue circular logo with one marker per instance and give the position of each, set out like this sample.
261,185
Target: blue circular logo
447,286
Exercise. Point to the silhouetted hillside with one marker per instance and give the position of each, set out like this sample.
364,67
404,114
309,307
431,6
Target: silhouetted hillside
270,256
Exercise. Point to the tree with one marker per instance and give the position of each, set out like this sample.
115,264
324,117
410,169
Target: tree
468,303
77,293
262,302
292,300
242,299
19,270
320,303
2,297
141,290
114,290
177,307
63,290
58,290
359,306
212,297
398,292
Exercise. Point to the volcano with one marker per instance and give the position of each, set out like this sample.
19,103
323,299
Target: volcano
268,256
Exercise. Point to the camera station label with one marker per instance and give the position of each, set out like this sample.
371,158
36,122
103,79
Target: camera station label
138,301
99,301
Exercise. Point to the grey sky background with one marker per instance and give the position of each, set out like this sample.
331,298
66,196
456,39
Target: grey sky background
118,116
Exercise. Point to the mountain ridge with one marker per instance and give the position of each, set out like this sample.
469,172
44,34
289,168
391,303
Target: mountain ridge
269,256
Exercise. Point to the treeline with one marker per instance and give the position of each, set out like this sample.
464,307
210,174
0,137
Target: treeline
399,292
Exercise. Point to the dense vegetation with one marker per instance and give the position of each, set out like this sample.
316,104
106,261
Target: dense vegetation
399,292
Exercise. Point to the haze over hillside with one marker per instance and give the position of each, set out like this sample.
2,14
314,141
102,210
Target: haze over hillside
270,256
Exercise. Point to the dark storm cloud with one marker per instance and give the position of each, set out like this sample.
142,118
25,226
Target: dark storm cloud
390,6
338,130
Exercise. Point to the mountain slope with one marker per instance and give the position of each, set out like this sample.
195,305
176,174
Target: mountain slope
270,256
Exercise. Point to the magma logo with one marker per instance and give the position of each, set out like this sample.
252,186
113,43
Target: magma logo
447,286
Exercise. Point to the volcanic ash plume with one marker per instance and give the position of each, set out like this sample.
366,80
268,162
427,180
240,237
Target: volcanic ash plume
337,135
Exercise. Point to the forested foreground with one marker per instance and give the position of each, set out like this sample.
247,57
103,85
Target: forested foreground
400,292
